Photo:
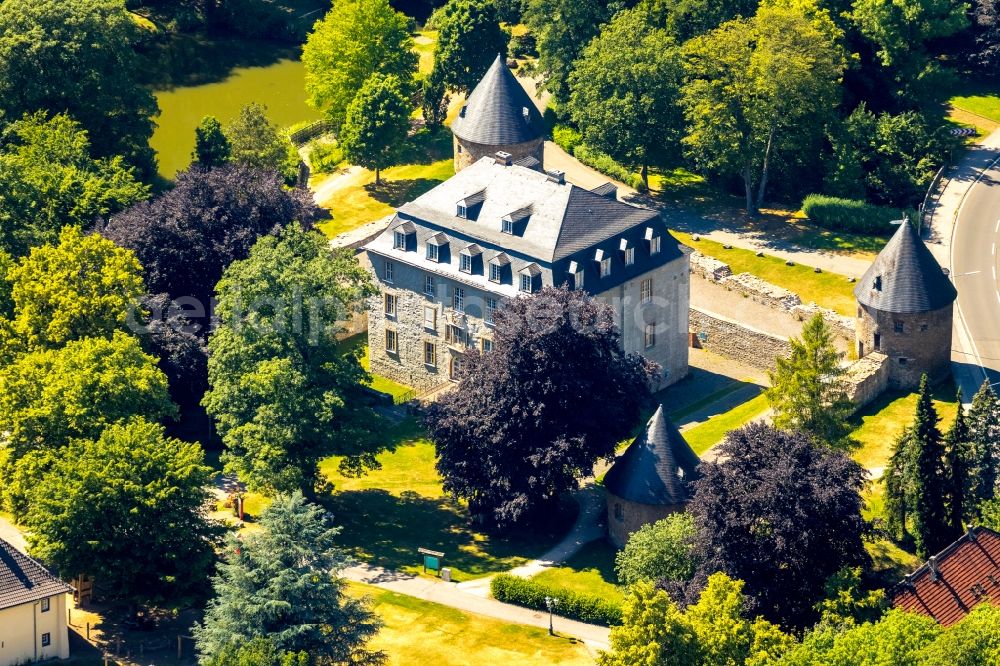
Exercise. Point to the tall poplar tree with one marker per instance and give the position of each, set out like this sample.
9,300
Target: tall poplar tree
984,428
961,463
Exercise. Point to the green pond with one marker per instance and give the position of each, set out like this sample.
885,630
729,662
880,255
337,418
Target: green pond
279,86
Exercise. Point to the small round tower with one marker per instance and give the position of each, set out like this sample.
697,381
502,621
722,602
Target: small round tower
905,306
651,480
499,117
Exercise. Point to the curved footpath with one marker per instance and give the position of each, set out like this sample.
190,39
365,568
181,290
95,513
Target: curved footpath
964,235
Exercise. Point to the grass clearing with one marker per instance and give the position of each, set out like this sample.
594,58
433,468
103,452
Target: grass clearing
590,571
879,423
422,632
889,561
828,290
705,435
359,343
424,43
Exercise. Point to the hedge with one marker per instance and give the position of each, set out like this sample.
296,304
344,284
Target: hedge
595,159
851,215
566,138
574,605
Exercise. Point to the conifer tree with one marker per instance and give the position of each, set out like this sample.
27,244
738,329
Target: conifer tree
898,492
282,584
211,147
984,429
930,515
960,461
808,392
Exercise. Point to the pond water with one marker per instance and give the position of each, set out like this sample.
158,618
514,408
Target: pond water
279,85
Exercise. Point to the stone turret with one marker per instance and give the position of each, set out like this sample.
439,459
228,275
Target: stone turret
651,480
905,305
499,117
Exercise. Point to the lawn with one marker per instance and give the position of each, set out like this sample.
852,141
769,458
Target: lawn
828,290
977,106
422,632
880,422
889,561
590,571
705,435
388,513
359,343
424,43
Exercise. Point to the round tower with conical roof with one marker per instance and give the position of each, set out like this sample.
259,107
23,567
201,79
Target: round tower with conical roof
905,305
499,117
651,480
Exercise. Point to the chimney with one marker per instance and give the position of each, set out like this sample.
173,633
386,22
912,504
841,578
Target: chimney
933,563
557,176
503,159
971,533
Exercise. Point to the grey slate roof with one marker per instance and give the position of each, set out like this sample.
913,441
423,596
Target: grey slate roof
905,278
23,580
657,468
494,114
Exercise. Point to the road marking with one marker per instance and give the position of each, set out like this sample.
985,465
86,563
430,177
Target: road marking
996,229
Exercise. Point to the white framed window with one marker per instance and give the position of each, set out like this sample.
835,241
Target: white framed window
391,341
454,335
465,263
507,227
430,354
390,305
654,245
399,241
487,345
578,279
388,271
46,639
491,308
430,317
646,291
496,272
526,284
629,256
458,299
432,252
462,211
649,336
429,286
45,605
605,267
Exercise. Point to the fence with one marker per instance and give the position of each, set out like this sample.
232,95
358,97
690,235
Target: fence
310,132
933,192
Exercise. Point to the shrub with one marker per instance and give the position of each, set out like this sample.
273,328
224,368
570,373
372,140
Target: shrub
851,215
595,159
523,46
574,605
566,138
324,157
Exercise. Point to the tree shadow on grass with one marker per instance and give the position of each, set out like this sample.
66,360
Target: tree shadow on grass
426,146
386,530
397,192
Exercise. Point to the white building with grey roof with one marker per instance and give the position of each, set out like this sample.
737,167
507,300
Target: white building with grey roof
498,230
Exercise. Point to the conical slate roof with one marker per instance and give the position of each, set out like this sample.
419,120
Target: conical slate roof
905,278
499,111
657,468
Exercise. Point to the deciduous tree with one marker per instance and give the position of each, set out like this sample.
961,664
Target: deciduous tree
282,583
469,40
660,550
129,510
808,389
808,499
625,90
211,147
653,631
49,179
77,57
283,393
563,28
377,123
356,39
532,416
757,88
254,141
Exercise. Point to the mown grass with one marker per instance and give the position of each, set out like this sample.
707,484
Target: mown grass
829,290
705,435
359,343
422,632
590,571
878,424
424,43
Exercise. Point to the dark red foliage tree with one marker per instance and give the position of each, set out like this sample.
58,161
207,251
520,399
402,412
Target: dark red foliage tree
533,415
781,514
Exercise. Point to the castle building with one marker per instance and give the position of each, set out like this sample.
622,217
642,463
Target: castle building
499,117
651,480
905,305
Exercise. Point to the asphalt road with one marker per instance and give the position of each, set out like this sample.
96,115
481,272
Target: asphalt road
976,267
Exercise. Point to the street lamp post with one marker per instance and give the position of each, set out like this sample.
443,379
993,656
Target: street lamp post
551,603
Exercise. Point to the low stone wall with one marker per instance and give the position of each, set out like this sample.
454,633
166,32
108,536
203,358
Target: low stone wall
732,339
770,295
867,378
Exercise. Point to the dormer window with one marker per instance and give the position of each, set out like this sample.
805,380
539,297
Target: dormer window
498,266
526,284
436,245
462,211
465,263
401,236
496,272
629,256
468,259
399,241
654,241
529,274
515,222
468,207
433,251
878,283
606,267
507,226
